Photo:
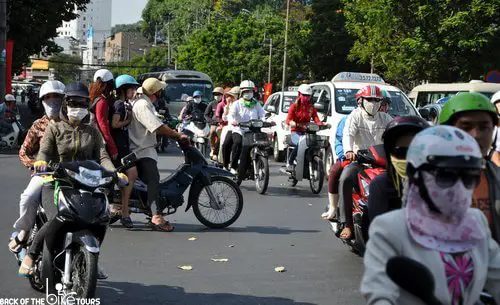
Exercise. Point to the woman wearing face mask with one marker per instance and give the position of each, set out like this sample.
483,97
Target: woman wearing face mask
227,131
196,107
126,87
70,139
243,110
386,190
210,111
51,94
437,227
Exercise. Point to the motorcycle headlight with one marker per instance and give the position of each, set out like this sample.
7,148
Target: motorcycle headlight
257,124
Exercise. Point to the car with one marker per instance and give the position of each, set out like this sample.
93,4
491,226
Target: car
277,106
336,98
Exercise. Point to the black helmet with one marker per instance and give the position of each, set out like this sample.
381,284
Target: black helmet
401,125
76,89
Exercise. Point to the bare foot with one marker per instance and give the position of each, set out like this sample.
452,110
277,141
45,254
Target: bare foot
26,268
346,233
329,215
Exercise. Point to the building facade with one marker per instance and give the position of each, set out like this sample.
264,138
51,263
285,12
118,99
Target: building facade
124,46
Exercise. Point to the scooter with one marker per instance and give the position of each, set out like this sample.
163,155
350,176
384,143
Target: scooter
374,160
172,122
15,137
258,169
309,160
198,130
216,199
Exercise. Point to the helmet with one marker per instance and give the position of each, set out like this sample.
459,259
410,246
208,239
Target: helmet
305,89
247,85
218,90
151,86
104,75
496,97
468,101
370,91
51,86
234,92
77,89
10,98
403,124
443,147
125,79
197,93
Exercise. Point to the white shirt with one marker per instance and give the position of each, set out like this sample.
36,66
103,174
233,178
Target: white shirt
238,113
362,130
142,129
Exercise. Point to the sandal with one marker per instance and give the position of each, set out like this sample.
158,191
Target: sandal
346,233
328,216
25,270
164,226
127,222
16,244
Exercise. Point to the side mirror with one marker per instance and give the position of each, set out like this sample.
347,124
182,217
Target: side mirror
129,159
319,106
271,109
425,113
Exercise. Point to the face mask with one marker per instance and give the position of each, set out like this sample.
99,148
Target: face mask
399,166
77,114
452,202
217,98
197,100
247,96
371,108
52,107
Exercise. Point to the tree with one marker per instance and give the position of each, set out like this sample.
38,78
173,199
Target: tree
66,67
416,40
133,27
32,24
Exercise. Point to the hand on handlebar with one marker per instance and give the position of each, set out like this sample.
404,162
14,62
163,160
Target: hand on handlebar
184,141
351,156
40,166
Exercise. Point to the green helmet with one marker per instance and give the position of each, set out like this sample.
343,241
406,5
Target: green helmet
468,101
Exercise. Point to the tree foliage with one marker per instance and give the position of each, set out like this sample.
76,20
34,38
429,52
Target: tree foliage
133,27
32,24
438,40
66,67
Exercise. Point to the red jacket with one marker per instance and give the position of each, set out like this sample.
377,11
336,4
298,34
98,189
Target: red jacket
302,114
102,117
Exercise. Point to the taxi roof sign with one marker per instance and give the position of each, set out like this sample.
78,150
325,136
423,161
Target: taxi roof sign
293,88
358,77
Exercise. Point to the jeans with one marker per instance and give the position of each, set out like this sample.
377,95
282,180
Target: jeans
148,173
348,180
295,140
28,204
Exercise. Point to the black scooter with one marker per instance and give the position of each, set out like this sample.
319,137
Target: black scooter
216,199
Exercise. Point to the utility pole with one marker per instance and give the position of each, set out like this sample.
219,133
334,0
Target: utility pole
283,79
156,30
3,45
169,58
270,59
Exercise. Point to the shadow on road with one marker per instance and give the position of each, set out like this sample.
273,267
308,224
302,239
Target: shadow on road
285,190
135,293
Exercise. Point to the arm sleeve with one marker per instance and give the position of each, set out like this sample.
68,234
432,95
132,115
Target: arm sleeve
219,111
102,116
146,117
376,286
31,145
100,152
339,149
47,145
290,116
347,138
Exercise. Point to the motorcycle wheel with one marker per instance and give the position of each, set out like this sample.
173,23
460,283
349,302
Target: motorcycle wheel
279,156
230,197
262,179
84,273
316,180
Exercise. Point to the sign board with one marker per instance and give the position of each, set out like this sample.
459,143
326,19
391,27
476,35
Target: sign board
358,77
292,89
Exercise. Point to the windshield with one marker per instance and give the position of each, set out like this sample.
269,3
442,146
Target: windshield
287,101
345,102
175,89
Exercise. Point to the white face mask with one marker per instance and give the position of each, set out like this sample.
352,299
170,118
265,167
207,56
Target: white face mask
77,114
52,107
197,100
247,96
372,108
217,98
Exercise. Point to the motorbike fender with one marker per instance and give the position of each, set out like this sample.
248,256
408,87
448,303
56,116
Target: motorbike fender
84,238
204,176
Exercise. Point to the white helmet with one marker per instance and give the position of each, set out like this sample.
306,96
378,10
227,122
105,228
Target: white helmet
51,86
443,146
104,74
247,85
495,98
305,89
10,98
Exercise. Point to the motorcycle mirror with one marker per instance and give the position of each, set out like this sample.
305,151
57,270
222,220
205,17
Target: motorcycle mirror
319,106
128,159
424,113
420,283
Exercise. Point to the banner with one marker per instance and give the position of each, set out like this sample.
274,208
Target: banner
8,66
268,90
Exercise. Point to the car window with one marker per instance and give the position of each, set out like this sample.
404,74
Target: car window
175,89
287,102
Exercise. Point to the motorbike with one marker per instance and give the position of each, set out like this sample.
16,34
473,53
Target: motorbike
261,148
216,199
80,189
15,137
197,130
374,161
309,160
172,122
421,282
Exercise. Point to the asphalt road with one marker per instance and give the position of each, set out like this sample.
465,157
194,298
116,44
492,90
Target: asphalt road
281,228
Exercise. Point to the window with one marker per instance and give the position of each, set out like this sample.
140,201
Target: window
84,26
321,95
287,102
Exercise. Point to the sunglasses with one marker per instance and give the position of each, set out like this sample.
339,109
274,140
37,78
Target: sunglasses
446,178
373,100
399,152
76,102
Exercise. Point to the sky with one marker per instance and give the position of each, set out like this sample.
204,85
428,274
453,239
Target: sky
127,11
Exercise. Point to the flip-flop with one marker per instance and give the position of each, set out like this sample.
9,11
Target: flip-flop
18,246
346,238
163,227
25,271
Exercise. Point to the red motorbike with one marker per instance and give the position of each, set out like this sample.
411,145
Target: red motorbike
374,162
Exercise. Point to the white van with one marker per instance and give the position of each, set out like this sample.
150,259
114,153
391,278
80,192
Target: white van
336,98
429,93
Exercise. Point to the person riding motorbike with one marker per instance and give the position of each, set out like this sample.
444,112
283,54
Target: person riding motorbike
5,125
227,132
142,132
196,106
366,126
299,115
474,113
211,119
437,227
495,99
386,190
70,139
243,110
11,108
51,93
126,87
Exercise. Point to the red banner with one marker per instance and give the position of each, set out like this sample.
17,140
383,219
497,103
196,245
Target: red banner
268,90
8,67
